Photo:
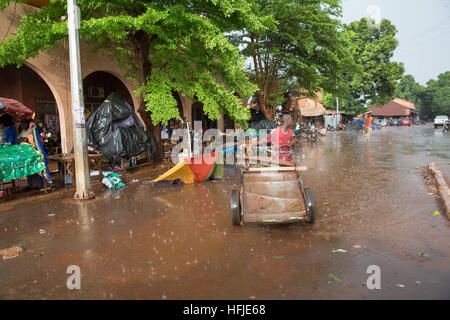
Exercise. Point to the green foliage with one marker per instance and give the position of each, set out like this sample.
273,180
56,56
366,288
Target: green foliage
432,100
303,48
409,90
372,50
435,98
183,43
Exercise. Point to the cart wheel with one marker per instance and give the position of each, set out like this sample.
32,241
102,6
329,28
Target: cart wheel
310,204
235,208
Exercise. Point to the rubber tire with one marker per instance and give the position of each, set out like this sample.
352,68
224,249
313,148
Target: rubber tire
235,208
310,205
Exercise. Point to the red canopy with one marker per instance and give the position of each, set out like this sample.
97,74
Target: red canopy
15,109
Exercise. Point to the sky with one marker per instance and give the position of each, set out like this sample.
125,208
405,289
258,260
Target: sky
423,32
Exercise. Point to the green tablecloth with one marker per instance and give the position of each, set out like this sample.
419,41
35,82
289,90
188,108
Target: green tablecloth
19,161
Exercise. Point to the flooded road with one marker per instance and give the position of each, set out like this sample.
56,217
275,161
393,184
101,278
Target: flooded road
178,242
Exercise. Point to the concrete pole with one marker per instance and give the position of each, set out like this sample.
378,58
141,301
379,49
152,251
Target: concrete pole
337,110
82,177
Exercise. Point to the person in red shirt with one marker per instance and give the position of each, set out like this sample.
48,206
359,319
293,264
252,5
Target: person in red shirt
282,138
368,125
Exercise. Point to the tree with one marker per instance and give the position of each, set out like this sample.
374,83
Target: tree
372,48
435,98
165,45
408,89
303,50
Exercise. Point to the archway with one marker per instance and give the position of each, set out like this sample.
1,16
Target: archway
198,114
27,85
98,85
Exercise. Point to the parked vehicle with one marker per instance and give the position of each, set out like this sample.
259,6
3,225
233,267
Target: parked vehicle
440,120
405,122
331,128
380,122
395,122
376,124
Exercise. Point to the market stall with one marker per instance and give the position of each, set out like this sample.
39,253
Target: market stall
21,155
18,161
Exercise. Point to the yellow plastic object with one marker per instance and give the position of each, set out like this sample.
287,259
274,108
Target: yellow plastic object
180,171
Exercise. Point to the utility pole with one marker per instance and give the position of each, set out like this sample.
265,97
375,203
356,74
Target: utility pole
82,177
337,111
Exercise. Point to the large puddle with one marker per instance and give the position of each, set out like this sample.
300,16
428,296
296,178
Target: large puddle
178,242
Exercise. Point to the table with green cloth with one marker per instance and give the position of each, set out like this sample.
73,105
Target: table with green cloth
17,161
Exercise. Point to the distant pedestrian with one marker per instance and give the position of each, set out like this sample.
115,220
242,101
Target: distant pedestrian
368,125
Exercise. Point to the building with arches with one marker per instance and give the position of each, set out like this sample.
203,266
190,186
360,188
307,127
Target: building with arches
43,82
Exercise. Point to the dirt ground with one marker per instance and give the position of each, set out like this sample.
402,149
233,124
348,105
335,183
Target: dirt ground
373,208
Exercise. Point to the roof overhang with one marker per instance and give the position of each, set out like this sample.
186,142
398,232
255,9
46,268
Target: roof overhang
38,3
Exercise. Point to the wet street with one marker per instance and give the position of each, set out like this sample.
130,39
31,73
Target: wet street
178,242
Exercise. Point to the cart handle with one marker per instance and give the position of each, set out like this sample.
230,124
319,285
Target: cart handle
301,169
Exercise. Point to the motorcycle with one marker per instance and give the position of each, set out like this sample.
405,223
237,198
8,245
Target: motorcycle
297,130
445,127
311,135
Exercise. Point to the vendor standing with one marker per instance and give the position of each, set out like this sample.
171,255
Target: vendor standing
24,132
282,138
10,132
35,140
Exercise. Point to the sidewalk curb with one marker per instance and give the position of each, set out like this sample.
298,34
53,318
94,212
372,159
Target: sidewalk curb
444,189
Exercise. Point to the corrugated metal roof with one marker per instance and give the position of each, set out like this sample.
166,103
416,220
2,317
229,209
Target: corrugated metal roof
38,3
310,108
392,109
405,103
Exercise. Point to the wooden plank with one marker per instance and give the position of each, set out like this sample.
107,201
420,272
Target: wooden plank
257,159
265,169
276,218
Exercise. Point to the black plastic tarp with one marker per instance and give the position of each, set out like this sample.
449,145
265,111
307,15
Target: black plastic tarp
116,131
264,124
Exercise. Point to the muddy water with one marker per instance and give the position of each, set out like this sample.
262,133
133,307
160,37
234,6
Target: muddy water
178,242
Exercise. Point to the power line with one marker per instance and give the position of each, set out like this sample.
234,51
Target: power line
425,32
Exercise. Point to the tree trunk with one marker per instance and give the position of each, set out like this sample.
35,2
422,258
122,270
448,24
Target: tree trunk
142,46
259,72
267,111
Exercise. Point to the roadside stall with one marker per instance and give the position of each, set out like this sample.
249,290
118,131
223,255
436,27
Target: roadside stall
21,160
17,161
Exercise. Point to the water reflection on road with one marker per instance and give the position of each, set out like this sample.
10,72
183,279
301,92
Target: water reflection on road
178,242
